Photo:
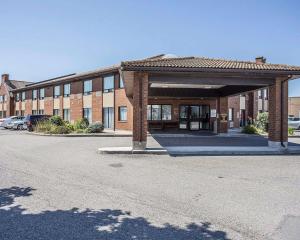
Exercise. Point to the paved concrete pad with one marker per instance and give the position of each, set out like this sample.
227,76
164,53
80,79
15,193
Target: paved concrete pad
60,188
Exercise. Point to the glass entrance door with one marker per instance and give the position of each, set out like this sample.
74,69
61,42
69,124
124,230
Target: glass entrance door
194,117
108,117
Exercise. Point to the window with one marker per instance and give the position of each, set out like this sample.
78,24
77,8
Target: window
121,83
67,116
34,94
230,114
122,113
1,98
55,112
17,113
67,90
159,112
23,97
22,113
56,91
18,97
166,112
259,94
5,98
266,94
34,112
4,114
87,113
42,94
108,84
41,112
87,87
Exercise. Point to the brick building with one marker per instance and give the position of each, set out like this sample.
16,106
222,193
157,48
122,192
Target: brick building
164,92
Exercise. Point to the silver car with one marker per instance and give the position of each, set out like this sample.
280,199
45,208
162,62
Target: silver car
19,124
294,122
7,122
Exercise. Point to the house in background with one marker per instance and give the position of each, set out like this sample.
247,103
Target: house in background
6,96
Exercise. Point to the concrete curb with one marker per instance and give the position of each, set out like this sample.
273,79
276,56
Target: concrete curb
128,150
80,135
210,151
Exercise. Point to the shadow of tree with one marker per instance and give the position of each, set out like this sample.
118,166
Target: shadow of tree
89,224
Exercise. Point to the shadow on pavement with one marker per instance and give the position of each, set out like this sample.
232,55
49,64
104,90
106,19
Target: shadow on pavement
88,224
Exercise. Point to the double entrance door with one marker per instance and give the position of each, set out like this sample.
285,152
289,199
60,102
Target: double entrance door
194,117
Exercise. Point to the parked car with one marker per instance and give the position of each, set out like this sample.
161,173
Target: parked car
1,121
294,122
19,124
11,123
7,121
32,120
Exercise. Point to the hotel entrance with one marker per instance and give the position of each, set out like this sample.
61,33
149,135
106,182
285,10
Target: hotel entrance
194,117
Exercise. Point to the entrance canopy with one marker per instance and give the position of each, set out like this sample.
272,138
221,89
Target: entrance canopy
204,76
193,77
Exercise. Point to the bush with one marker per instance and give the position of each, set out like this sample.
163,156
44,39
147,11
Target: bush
96,127
250,129
57,120
59,130
70,126
262,121
291,131
43,126
81,124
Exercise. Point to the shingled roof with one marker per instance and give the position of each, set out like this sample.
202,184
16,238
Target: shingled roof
201,63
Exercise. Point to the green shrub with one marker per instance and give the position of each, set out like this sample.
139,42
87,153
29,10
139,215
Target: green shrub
96,127
250,129
59,130
291,131
57,120
43,126
81,124
80,130
70,126
261,121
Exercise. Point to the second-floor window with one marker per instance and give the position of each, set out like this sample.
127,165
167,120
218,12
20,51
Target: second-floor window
18,97
56,91
108,84
67,90
23,97
34,94
42,93
87,87
1,98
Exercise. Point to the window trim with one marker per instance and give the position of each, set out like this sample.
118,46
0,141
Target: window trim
85,93
36,97
56,96
41,98
113,82
119,114
67,95
151,119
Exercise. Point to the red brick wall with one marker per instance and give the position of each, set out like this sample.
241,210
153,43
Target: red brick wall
234,103
122,101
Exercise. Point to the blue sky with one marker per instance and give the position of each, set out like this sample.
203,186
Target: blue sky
49,38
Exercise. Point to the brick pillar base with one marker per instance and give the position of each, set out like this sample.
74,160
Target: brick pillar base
140,102
278,113
222,109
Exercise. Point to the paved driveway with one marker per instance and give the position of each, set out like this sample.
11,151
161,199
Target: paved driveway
60,188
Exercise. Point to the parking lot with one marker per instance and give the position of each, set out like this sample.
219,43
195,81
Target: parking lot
60,188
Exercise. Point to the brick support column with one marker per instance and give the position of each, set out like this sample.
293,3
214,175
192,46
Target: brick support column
140,102
222,110
278,113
